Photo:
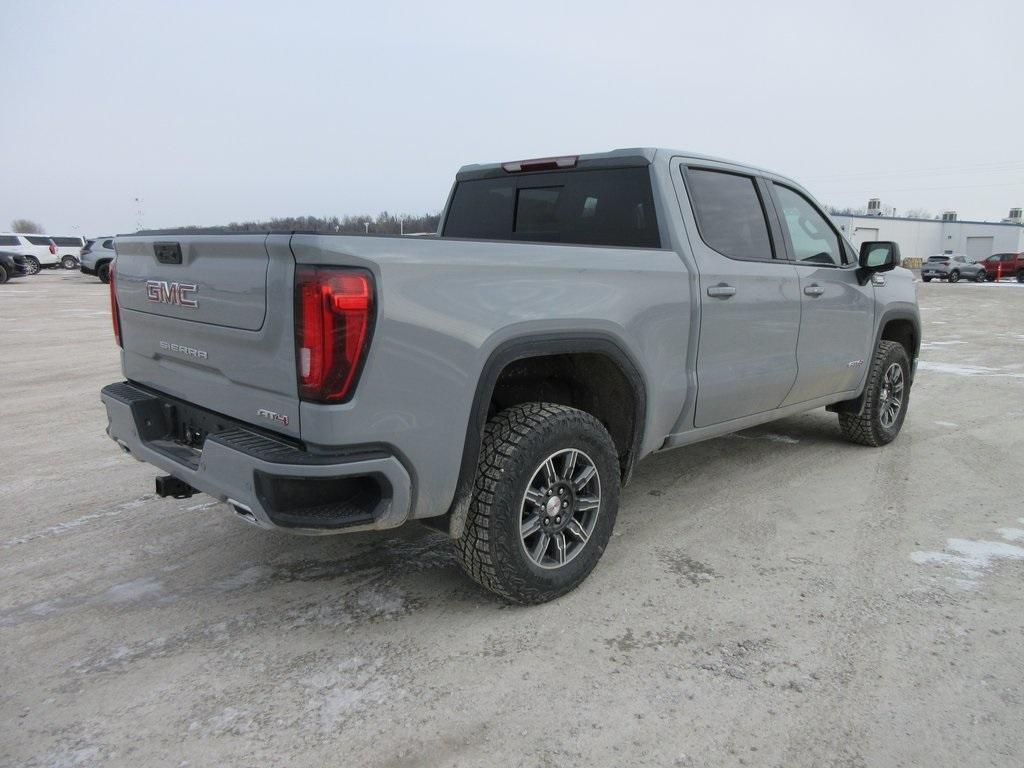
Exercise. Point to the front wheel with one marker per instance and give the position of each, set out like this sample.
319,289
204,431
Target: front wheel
33,265
3,274
954,276
926,279
886,397
545,498
980,277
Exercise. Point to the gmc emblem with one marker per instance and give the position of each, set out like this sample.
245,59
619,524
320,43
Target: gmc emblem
179,294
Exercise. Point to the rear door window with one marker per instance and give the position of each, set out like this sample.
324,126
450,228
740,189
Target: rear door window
729,213
38,240
613,207
66,242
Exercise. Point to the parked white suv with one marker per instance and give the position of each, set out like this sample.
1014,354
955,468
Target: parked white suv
39,250
68,249
96,256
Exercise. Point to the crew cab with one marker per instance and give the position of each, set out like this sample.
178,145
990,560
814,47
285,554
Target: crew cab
501,380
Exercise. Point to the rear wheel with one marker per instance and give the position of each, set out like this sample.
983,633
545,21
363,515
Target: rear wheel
68,262
954,276
926,279
103,272
33,265
886,397
544,503
1020,275
3,274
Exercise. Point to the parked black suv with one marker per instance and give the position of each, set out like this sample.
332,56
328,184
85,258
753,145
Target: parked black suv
11,265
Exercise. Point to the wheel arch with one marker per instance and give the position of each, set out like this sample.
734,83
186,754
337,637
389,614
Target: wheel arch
513,356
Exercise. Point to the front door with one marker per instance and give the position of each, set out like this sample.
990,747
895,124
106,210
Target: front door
749,292
837,311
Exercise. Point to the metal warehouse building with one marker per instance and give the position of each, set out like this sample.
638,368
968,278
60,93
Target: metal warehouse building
921,238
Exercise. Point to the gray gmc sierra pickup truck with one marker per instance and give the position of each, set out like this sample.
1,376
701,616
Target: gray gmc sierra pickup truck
499,381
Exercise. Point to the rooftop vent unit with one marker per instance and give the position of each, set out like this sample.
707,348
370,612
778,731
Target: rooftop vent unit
1015,217
949,215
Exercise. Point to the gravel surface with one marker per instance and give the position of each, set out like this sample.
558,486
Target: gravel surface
775,598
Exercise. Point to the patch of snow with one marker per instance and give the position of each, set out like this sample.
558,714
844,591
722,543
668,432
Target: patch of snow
771,436
1011,534
971,558
956,369
133,590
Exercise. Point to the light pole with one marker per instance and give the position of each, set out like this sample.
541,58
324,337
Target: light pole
367,225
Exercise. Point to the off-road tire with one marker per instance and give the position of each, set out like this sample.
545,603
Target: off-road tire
865,428
32,263
954,276
515,442
103,272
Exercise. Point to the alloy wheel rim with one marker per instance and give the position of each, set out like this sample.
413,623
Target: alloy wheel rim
891,399
560,508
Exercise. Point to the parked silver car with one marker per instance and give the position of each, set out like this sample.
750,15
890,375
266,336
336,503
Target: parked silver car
96,256
951,267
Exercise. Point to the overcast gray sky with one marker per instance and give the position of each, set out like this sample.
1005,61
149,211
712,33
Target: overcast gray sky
211,112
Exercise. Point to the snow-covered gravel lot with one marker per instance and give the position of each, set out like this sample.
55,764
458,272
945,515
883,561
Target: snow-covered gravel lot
776,598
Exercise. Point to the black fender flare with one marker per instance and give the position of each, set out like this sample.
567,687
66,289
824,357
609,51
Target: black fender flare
539,345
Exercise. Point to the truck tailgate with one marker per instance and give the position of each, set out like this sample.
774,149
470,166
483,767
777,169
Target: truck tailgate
195,323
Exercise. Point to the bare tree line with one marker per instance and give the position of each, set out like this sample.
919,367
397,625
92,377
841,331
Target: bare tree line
383,223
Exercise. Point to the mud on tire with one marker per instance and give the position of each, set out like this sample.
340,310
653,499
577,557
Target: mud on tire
516,444
867,427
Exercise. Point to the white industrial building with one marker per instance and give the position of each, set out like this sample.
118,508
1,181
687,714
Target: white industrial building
921,238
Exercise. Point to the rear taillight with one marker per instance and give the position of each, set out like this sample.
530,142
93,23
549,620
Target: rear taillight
333,315
115,315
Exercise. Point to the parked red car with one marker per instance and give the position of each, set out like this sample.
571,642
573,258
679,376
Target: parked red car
1005,265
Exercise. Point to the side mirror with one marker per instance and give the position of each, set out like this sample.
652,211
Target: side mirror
879,256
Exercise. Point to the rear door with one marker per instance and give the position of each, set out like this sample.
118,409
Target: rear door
837,315
208,319
750,298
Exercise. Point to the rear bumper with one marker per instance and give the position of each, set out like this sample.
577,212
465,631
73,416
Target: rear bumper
269,482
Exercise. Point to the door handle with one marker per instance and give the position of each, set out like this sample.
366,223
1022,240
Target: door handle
722,291
814,290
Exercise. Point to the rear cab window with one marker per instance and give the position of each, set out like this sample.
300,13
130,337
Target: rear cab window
608,206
